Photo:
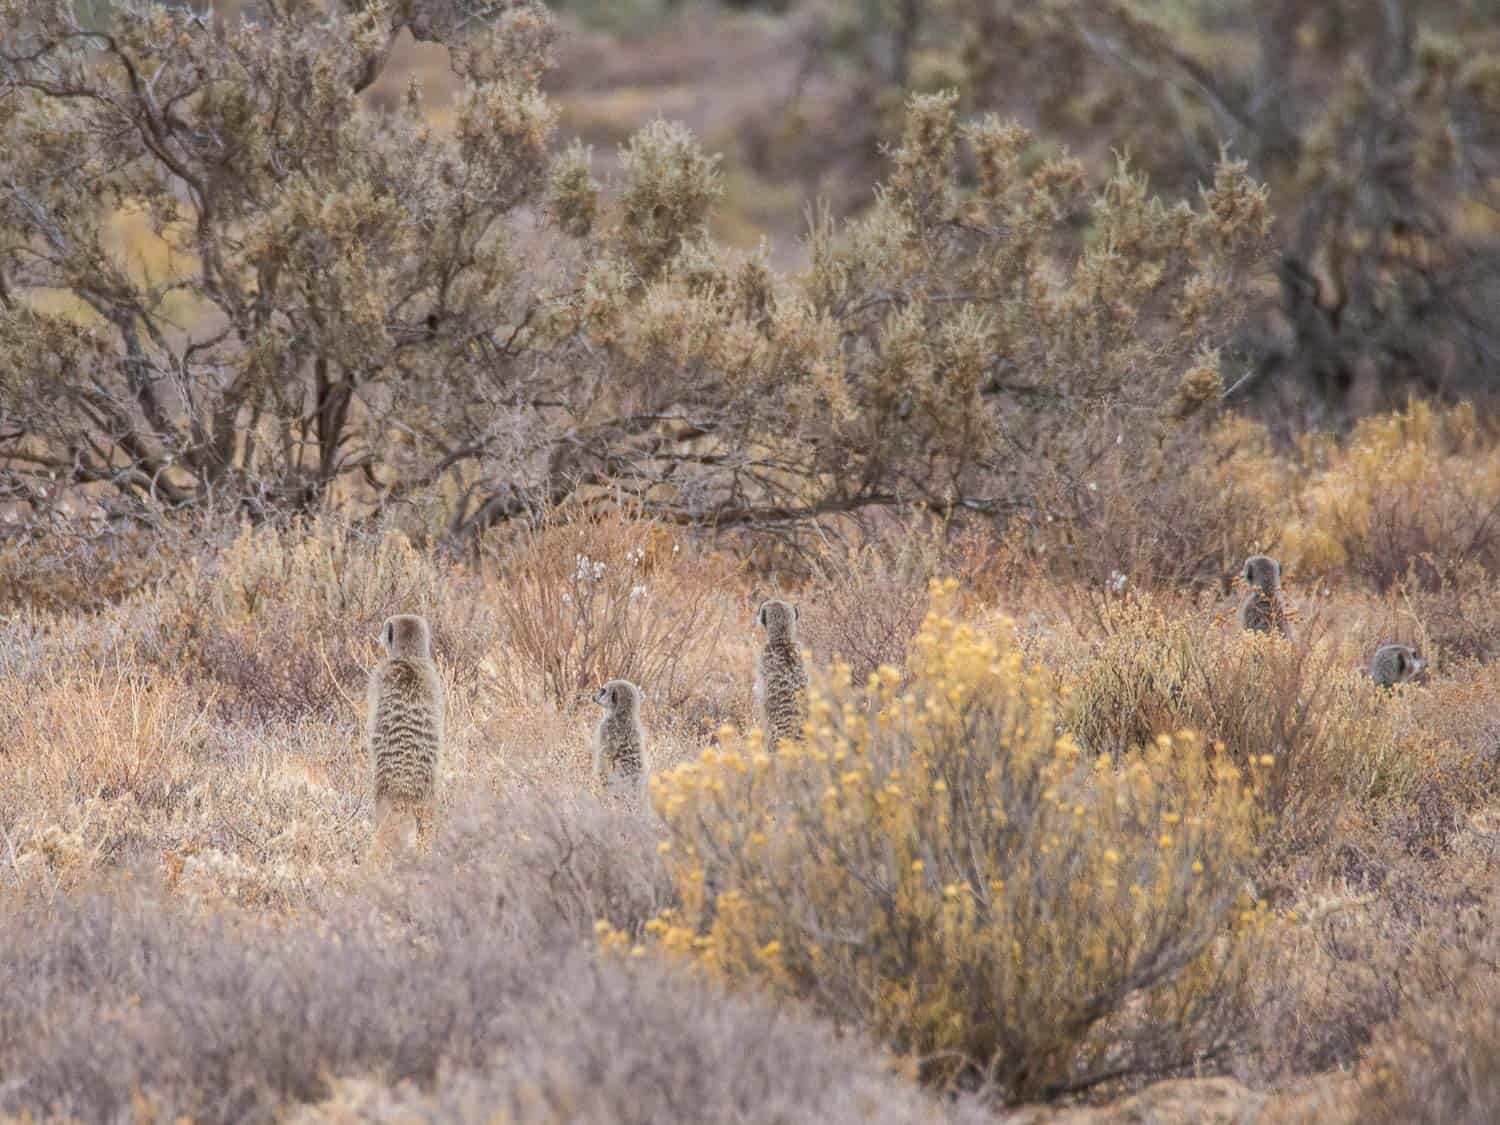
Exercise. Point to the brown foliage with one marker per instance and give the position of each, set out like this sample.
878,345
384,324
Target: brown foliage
590,595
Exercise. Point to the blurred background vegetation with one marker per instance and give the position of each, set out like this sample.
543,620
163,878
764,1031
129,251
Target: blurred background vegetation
1374,124
1375,128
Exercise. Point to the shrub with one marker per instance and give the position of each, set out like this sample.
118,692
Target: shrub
1185,512
286,619
1415,758
1300,703
869,603
82,567
937,864
1414,492
1459,613
589,595
1439,1059
83,731
418,340
468,978
1373,929
1440,1065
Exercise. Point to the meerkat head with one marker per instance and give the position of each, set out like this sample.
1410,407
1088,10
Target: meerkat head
1406,661
620,697
405,636
1262,572
778,619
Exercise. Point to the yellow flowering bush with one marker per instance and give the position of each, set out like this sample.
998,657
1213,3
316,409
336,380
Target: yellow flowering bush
1418,488
937,862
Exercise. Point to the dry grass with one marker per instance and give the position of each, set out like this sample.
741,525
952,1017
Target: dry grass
184,816
936,863
586,596
465,971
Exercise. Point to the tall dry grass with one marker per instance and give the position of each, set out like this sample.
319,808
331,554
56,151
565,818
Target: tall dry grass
183,820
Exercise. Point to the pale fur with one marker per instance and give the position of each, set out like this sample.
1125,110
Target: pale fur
1395,664
404,728
619,743
780,678
1263,610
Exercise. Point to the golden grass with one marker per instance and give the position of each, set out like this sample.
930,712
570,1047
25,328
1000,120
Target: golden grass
201,735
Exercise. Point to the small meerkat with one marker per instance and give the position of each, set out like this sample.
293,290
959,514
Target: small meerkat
1395,664
405,730
780,678
1263,610
619,742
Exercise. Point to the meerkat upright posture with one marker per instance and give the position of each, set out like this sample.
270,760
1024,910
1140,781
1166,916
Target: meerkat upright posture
780,679
619,742
405,730
1395,664
1263,610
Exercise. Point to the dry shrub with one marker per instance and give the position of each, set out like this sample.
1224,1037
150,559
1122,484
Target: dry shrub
90,755
285,620
83,568
1451,731
1185,514
1417,758
1365,920
589,595
1440,1065
87,731
1439,1060
938,865
868,603
1417,491
1459,611
1297,706
470,975
559,857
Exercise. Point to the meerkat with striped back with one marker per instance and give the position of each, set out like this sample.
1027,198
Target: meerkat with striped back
405,730
780,678
620,765
1263,610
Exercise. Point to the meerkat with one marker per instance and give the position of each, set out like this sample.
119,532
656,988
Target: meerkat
405,730
619,742
1395,664
780,679
1263,610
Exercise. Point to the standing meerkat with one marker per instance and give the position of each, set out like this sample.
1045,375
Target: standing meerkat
1395,664
619,742
1263,610
780,678
405,729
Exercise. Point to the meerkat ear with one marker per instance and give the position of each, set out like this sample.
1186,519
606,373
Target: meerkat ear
614,695
760,617
388,634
